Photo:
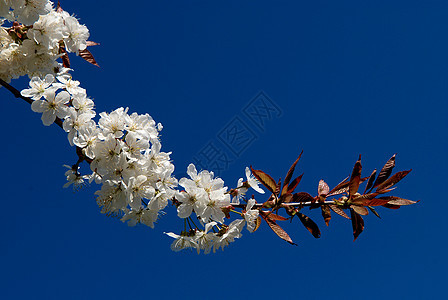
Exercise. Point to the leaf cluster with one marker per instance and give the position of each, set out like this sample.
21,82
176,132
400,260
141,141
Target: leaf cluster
283,196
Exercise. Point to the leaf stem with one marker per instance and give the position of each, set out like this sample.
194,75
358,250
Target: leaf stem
191,219
237,212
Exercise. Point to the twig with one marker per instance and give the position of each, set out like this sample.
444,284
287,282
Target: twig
17,94
243,205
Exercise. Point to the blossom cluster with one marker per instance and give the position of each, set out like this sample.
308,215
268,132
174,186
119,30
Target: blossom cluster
124,154
123,150
209,199
44,35
222,237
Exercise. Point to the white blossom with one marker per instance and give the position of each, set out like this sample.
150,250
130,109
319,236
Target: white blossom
76,34
38,87
73,177
232,232
72,86
27,12
251,215
182,242
138,188
204,239
252,181
53,106
239,192
86,139
113,123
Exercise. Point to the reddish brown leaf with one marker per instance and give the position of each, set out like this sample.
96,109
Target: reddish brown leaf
310,225
65,59
342,187
59,8
385,191
360,210
276,217
277,188
357,224
370,182
339,211
90,43
355,179
393,180
87,56
265,180
292,186
289,174
385,171
302,197
323,188
373,202
278,230
392,200
257,224
391,206
272,216
362,199
326,213
286,198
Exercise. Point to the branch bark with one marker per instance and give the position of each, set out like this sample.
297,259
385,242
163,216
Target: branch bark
17,94
294,204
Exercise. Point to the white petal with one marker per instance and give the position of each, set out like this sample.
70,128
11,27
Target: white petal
35,82
49,78
48,117
208,226
258,189
250,204
184,211
62,97
39,106
191,171
171,234
248,173
30,93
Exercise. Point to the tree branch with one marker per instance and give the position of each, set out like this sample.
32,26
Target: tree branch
17,94
294,204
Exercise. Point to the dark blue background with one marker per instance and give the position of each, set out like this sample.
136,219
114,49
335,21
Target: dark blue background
350,77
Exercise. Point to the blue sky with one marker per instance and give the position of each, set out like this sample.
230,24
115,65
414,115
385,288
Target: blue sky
346,77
